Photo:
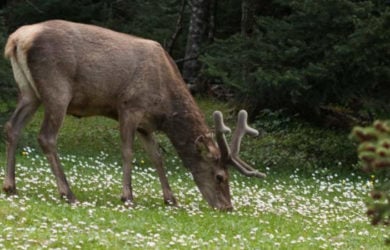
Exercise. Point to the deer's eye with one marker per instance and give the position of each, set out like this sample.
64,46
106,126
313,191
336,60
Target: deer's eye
220,177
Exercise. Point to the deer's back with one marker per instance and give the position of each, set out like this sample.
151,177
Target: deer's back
97,69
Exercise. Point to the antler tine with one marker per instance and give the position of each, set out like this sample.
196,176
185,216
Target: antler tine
242,129
245,169
220,129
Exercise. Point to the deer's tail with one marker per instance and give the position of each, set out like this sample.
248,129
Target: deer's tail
16,51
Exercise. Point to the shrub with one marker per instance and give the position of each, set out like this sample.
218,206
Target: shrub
374,154
289,144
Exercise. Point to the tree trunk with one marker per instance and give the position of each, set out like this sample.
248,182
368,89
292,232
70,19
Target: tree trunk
247,17
178,29
212,14
247,23
196,33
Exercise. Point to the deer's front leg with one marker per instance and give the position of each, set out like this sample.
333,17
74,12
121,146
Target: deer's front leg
127,156
128,125
151,148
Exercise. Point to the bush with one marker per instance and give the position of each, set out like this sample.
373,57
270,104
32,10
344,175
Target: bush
374,154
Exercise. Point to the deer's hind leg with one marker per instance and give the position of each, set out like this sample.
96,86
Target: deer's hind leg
55,112
25,109
151,148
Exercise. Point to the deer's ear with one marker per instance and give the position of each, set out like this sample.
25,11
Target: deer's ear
206,147
201,146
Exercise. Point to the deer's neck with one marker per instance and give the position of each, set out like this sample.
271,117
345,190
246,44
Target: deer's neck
184,126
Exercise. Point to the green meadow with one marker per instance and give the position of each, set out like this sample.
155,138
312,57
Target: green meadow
293,208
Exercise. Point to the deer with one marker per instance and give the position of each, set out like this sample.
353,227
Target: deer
84,70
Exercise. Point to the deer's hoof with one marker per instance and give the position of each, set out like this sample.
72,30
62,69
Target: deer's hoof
171,201
70,198
128,202
9,189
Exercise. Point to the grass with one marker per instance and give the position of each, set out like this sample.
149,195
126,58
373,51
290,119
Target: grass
291,209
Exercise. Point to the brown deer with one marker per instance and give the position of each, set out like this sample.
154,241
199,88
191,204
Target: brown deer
84,70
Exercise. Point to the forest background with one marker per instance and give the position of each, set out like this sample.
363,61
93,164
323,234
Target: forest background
326,61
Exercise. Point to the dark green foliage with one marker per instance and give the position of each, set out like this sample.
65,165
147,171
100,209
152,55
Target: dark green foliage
287,144
7,89
21,13
374,154
228,18
5,68
149,19
317,53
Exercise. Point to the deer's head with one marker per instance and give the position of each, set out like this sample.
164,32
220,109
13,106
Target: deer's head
212,176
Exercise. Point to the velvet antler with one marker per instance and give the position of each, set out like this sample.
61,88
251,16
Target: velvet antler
230,155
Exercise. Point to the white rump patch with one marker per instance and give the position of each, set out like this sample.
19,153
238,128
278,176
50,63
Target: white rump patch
23,77
23,38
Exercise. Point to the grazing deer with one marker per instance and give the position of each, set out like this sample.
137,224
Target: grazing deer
84,70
